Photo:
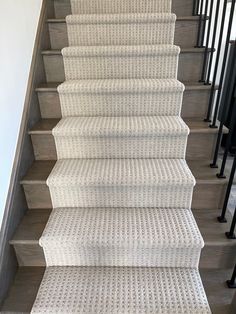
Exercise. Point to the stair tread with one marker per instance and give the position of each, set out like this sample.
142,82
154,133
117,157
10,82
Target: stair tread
195,125
120,289
120,50
25,287
40,170
34,222
47,87
113,172
120,18
122,227
179,18
121,126
121,85
183,50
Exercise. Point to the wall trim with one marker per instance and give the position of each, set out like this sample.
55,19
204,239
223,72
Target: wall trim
16,204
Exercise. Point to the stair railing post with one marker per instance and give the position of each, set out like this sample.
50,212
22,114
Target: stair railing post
222,218
232,282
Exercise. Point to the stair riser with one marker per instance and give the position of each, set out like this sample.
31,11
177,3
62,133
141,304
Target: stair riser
185,36
108,256
190,66
179,7
211,257
120,62
123,147
124,196
205,196
152,32
118,103
195,104
199,146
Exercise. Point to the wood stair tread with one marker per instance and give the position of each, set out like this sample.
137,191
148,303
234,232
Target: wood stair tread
23,291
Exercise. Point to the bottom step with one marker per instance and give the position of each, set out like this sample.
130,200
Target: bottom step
121,290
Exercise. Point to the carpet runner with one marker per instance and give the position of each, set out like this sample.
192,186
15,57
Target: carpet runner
121,97
121,189
123,290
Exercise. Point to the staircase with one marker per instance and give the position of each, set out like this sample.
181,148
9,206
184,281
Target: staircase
110,192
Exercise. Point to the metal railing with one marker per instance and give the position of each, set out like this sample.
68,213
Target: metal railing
216,21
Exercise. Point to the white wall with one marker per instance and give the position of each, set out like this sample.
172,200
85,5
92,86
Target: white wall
18,25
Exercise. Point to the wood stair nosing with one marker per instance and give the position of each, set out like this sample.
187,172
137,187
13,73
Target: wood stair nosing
201,140
217,253
190,64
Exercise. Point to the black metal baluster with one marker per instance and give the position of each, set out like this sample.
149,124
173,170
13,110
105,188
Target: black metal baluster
229,138
195,7
212,93
222,218
231,234
213,125
204,67
213,41
199,32
232,282
204,24
229,83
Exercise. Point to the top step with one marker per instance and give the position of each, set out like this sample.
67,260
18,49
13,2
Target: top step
179,7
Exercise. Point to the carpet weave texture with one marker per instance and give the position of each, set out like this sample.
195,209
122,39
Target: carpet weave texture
121,237
130,236
121,290
121,29
121,137
164,183
121,97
